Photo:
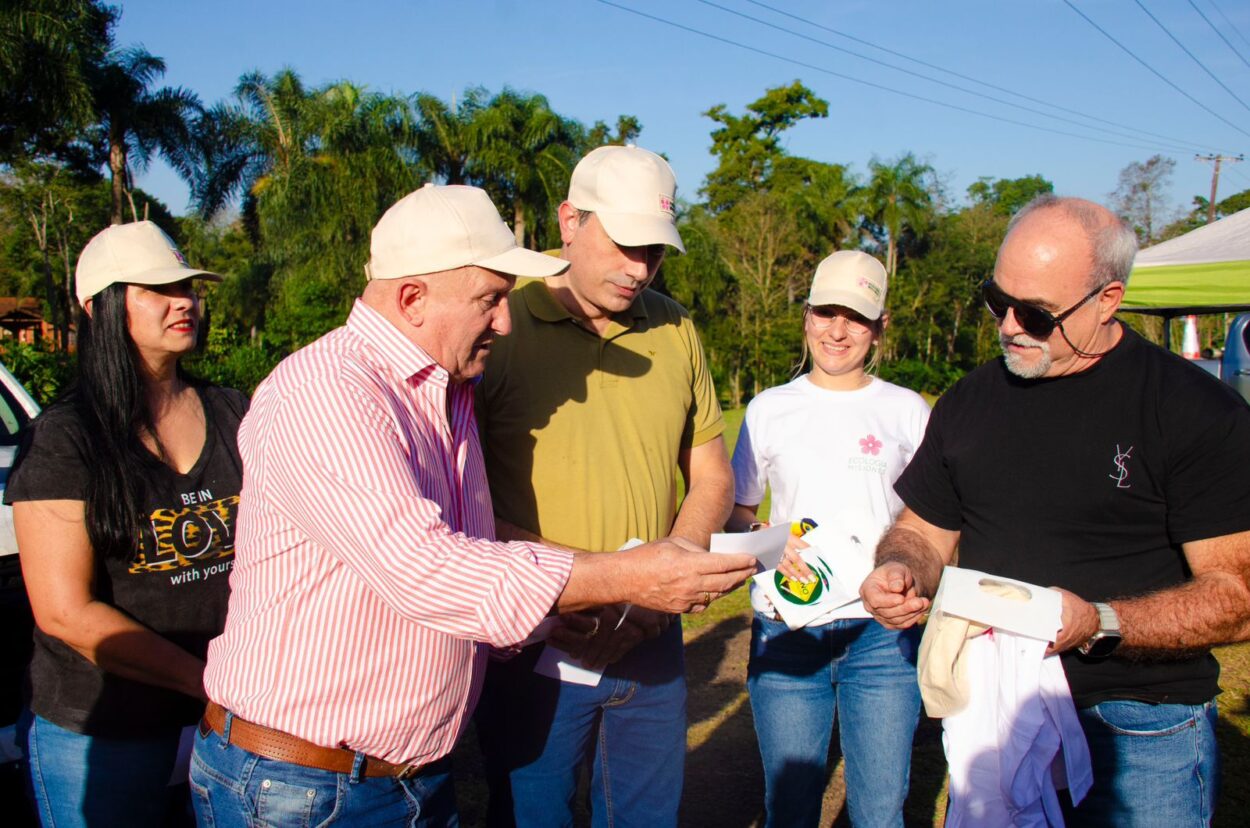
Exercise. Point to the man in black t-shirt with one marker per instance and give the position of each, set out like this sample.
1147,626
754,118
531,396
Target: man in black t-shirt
1088,459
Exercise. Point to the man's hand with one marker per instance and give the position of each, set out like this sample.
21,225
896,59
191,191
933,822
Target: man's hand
889,593
576,629
1078,622
611,642
674,575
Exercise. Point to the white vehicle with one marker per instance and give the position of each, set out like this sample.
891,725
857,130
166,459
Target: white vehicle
17,408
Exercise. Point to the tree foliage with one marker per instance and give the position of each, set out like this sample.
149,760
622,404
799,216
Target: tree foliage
747,147
47,51
1141,196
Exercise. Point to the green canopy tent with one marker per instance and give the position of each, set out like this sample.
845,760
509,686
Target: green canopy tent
1204,271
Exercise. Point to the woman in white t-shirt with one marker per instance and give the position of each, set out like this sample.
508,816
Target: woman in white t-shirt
830,444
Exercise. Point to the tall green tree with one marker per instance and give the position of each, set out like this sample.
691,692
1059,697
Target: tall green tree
524,153
900,196
136,121
445,134
748,146
1007,195
47,49
315,168
628,128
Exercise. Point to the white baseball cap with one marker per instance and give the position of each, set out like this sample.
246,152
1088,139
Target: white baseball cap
632,191
852,279
444,227
138,253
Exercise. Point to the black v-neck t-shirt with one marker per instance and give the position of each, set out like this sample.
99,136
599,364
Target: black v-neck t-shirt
177,583
1091,482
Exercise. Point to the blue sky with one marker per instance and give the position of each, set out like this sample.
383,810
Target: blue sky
595,61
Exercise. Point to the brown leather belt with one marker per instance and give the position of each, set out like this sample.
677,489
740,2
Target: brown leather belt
275,744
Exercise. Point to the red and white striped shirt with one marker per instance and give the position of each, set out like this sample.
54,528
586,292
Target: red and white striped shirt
365,566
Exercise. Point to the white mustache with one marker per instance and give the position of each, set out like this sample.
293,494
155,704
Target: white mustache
1020,339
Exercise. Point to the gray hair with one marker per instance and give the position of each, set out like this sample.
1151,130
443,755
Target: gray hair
1113,242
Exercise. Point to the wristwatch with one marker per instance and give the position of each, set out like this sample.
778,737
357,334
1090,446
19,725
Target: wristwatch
1103,643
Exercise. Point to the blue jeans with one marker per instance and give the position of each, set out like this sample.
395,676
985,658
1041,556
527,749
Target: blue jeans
537,733
1154,765
800,680
232,788
88,780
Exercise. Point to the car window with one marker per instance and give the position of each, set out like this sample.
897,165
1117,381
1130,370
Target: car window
12,417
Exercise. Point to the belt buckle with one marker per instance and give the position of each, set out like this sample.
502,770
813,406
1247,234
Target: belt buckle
409,771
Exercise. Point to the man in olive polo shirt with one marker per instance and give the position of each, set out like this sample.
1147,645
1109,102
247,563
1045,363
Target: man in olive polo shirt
587,410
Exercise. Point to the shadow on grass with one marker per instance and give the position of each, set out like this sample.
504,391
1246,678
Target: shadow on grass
1234,802
724,781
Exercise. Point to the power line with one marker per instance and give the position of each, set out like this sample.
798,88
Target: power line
1178,145
869,84
953,73
1219,34
1192,56
1130,53
1230,23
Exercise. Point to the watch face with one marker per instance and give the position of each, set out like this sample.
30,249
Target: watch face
1103,646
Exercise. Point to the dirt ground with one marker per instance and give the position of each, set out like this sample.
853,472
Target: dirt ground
724,784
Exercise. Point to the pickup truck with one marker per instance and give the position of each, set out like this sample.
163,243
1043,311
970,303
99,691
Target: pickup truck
1234,367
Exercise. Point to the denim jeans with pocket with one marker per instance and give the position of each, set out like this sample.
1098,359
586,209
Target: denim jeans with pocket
538,733
234,788
853,670
1154,765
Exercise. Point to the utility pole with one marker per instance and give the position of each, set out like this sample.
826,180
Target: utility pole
1215,177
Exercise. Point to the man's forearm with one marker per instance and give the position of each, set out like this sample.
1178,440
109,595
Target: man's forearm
908,547
1211,609
704,511
506,531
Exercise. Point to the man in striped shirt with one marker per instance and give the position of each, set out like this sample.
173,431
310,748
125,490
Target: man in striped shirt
366,576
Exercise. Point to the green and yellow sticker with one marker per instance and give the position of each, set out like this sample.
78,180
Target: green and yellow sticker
798,592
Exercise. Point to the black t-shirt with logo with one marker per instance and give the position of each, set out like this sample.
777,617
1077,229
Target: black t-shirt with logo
1091,482
177,583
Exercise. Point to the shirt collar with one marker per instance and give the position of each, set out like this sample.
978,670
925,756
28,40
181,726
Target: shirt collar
396,351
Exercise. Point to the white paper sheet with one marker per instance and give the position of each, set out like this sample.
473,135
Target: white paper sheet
557,664
767,545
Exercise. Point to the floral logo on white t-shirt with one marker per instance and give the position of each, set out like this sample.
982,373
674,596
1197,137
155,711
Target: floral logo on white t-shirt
870,445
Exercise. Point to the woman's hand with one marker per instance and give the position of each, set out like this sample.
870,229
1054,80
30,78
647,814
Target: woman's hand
792,564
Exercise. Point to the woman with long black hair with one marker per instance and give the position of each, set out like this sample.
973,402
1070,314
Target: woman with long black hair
124,499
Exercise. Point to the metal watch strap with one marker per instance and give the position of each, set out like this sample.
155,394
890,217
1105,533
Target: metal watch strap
1108,619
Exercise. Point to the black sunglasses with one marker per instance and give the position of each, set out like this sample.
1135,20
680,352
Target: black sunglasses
1038,323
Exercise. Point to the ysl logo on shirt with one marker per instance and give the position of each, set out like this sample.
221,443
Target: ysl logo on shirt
1120,475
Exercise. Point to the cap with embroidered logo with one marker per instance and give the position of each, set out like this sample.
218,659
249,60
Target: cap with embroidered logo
138,253
448,226
633,192
852,279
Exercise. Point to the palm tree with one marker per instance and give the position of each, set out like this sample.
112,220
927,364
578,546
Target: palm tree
899,195
136,121
525,153
46,50
315,169
240,145
444,135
